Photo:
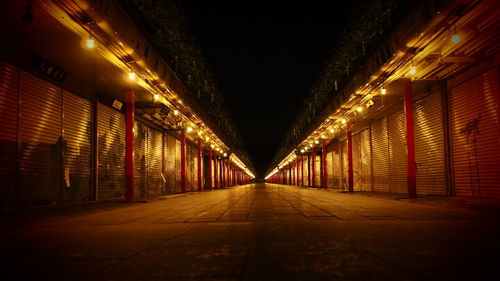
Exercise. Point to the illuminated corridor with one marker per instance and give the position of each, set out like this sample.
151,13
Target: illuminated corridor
258,232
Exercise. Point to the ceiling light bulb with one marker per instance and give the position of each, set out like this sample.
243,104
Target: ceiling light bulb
301,151
455,38
413,70
323,136
316,141
189,129
200,133
131,76
383,91
225,154
156,97
332,130
176,112
359,109
90,43
344,121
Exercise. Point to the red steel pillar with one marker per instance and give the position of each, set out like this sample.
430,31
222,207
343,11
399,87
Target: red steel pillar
183,161
350,173
210,174
323,164
410,140
129,143
199,165
313,172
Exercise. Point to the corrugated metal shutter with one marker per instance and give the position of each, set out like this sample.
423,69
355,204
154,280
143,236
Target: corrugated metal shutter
329,172
9,92
336,166
356,161
169,163
475,136
155,182
140,169
397,152
380,156
189,167
366,161
344,165
77,126
429,145
307,171
42,146
195,168
177,166
111,151
317,170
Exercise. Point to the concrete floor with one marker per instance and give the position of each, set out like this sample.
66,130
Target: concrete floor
257,232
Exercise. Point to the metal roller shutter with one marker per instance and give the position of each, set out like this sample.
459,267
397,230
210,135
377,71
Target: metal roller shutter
366,161
140,169
111,151
77,126
336,166
169,163
155,179
344,165
195,168
317,171
306,170
397,152
189,167
177,166
329,165
475,136
42,145
429,145
380,156
356,161
9,93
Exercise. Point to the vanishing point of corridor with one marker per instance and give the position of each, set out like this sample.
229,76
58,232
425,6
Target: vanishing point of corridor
255,232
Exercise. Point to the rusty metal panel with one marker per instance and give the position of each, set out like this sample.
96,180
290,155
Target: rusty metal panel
336,166
140,169
177,166
169,163
475,136
111,152
366,161
380,156
77,132
397,152
429,145
9,92
356,160
155,180
344,165
42,145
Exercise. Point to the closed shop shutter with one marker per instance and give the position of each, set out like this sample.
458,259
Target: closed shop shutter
329,172
189,168
140,169
317,170
366,161
356,161
77,126
305,170
475,136
178,166
336,166
155,182
169,163
195,168
397,152
344,165
380,156
42,146
9,76
111,151
429,145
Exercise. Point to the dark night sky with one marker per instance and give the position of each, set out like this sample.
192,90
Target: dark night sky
265,58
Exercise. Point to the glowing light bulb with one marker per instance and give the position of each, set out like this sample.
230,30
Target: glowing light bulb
383,91
316,142
131,76
301,151
413,70
200,133
176,112
90,43
156,97
225,154
332,130
359,109
323,136
455,38
344,121
189,129
207,139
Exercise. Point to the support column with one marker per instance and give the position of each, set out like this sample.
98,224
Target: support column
210,170
410,140
183,161
323,162
199,165
129,144
313,168
350,167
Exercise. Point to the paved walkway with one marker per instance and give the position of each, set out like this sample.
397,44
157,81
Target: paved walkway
258,232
